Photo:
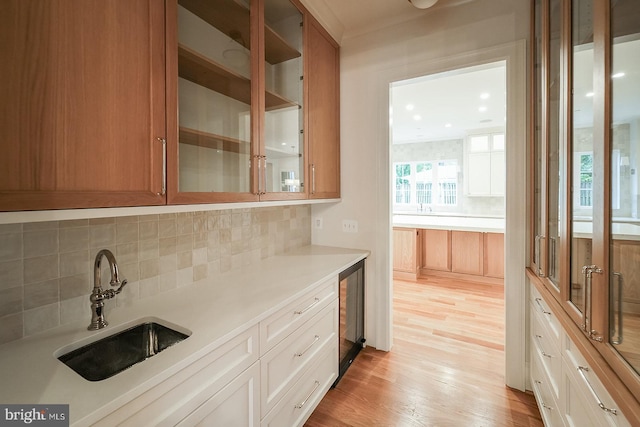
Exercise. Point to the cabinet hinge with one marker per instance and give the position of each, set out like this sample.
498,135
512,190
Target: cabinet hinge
301,131
301,78
301,23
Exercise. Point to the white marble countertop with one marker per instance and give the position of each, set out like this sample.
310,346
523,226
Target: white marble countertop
444,222
213,310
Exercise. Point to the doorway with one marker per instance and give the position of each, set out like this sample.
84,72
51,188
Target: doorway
515,212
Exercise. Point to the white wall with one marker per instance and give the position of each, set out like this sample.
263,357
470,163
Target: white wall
445,39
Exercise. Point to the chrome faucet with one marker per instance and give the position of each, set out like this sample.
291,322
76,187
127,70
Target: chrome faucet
98,296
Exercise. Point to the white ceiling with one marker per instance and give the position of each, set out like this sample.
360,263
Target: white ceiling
449,105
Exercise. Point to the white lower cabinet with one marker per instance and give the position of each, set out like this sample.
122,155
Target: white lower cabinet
300,366
169,402
301,399
567,391
274,373
233,406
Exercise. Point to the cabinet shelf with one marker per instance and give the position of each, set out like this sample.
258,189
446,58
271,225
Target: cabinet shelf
229,16
201,70
210,140
277,153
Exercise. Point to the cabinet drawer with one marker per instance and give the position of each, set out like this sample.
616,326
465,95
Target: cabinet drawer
583,385
286,362
540,307
298,403
547,403
280,324
546,350
179,395
234,405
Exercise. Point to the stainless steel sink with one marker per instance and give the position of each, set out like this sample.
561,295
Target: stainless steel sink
107,357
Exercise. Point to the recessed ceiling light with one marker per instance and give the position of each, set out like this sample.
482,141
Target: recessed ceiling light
589,94
448,125
482,109
618,75
284,143
484,96
417,117
409,107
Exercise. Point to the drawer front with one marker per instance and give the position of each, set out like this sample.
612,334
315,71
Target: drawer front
286,362
176,397
300,401
584,384
546,350
282,323
548,405
235,405
540,307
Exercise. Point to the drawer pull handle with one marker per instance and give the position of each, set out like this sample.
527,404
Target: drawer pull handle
542,352
582,370
308,347
542,307
309,307
547,407
304,402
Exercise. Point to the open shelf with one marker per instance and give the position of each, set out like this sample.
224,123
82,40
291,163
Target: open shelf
210,140
203,71
229,16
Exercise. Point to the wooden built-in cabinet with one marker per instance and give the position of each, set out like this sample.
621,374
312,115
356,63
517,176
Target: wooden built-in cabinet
258,103
405,253
436,249
165,102
467,252
424,252
584,193
82,121
323,112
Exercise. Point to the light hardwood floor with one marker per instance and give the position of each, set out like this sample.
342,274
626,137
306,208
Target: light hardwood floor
446,367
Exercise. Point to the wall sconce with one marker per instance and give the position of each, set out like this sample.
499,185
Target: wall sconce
423,4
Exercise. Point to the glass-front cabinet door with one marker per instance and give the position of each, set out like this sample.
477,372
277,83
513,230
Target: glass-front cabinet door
215,79
580,156
283,121
240,97
623,195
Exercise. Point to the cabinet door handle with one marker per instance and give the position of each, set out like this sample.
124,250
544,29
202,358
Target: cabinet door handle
588,271
315,340
313,178
163,141
259,160
581,371
316,300
542,352
264,172
542,307
618,339
304,402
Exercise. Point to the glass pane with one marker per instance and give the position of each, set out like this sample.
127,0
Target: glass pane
539,178
284,141
581,146
625,159
553,159
214,91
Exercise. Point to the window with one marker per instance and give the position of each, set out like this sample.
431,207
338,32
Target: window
421,184
586,180
583,174
403,185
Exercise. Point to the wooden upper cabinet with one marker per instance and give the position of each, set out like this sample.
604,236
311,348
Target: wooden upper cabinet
323,112
83,111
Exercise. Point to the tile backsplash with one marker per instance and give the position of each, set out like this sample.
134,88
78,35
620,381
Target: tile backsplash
46,268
